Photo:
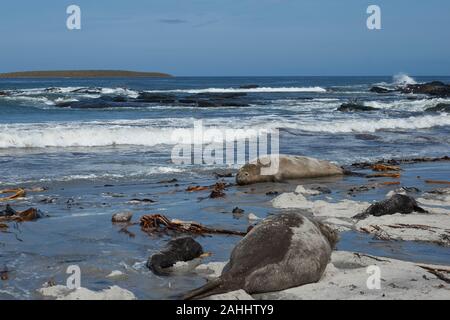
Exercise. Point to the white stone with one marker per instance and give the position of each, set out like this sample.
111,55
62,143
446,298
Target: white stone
63,293
210,270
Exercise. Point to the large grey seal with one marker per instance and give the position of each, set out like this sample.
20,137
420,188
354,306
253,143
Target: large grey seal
283,251
287,167
178,249
398,203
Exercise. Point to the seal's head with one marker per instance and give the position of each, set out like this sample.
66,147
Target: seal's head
331,234
248,174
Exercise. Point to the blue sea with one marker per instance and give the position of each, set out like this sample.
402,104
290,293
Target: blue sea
94,145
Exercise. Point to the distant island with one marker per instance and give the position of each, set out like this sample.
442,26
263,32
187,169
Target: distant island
83,74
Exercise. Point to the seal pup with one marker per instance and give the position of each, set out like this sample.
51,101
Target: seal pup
179,249
398,203
283,251
286,167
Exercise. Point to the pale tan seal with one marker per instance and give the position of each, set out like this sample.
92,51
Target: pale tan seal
283,167
283,251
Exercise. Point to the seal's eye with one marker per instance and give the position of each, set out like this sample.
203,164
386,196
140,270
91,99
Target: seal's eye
246,174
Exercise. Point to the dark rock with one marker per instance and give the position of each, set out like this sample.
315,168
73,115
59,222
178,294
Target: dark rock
441,107
114,98
48,200
321,189
353,190
220,96
52,90
355,107
188,101
238,210
96,104
249,86
3,93
168,181
398,203
234,104
378,89
179,249
156,98
351,107
88,90
8,211
272,193
143,200
220,103
365,136
206,104
434,88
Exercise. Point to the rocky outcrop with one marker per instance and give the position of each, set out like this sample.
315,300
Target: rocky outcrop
378,89
156,98
97,103
441,107
355,107
249,86
434,88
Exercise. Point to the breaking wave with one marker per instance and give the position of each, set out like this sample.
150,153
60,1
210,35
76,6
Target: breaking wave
349,126
102,134
403,79
242,90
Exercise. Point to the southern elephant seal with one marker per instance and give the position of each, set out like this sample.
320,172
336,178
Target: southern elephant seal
179,249
277,168
283,251
398,203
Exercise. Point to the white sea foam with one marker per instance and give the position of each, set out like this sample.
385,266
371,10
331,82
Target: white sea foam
93,176
403,79
407,105
348,126
72,90
99,134
238,90
30,99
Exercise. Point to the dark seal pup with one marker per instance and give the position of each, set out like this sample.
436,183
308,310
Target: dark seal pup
283,251
398,203
179,249
277,168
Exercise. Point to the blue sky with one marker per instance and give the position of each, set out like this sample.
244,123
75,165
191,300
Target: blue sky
228,37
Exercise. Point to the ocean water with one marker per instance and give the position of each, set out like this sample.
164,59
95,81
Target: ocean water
94,160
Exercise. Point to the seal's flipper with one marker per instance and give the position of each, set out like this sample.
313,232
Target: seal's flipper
420,209
361,216
211,288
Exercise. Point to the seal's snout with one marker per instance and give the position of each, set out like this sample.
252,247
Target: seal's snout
246,174
242,178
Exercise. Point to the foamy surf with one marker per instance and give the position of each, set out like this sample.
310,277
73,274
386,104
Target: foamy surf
366,125
103,134
242,90
403,79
